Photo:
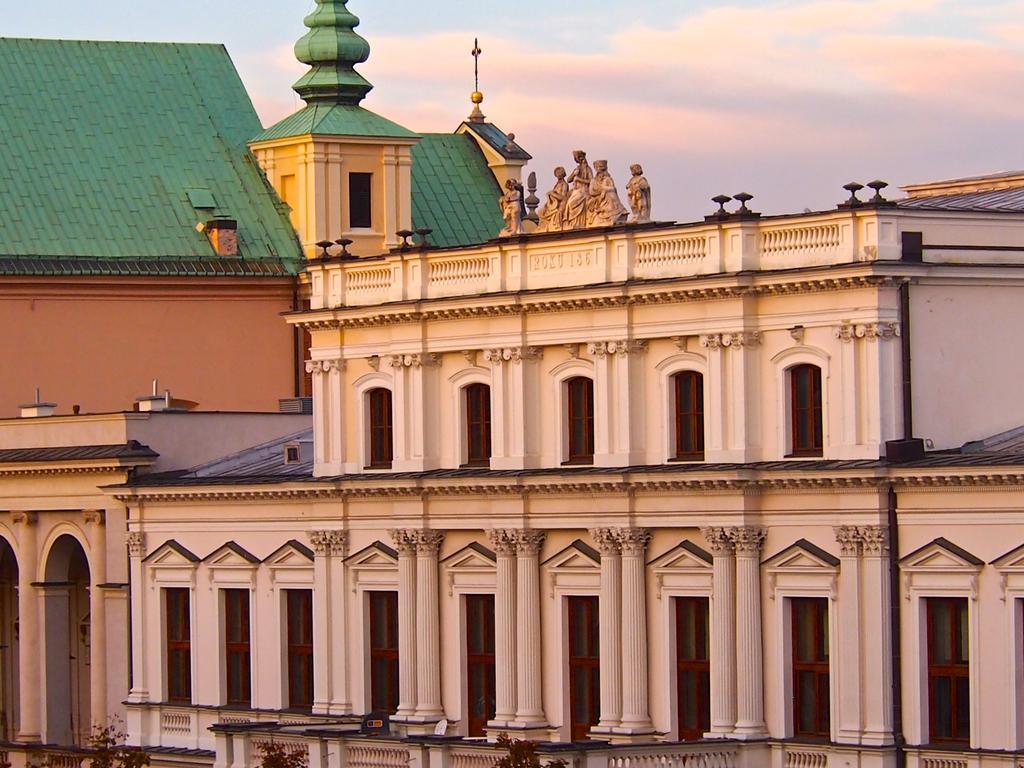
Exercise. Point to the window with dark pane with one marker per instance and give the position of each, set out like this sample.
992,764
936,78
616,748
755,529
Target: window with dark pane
360,210
580,413
299,609
478,425
381,441
480,674
812,715
237,647
383,651
949,698
693,667
805,410
584,666
688,388
179,645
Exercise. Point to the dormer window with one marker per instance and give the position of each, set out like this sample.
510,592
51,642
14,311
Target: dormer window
360,210
292,454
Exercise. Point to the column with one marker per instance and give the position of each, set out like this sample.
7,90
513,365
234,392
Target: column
749,654
501,422
877,634
136,552
504,544
743,384
322,620
30,680
604,404
723,632
717,444
848,636
321,412
400,404
628,404
530,709
341,704
428,641
94,520
610,623
335,390
636,717
405,541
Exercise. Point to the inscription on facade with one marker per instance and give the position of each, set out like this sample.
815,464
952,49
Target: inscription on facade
561,261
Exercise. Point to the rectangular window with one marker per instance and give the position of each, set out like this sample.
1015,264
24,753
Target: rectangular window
359,207
805,410
811,704
949,698
689,396
384,651
480,661
179,645
584,666
478,425
237,647
299,609
381,435
693,668
580,396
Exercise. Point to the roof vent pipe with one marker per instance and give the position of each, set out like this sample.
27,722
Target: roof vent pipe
38,408
154,402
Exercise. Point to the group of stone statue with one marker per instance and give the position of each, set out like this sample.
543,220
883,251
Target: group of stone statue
584,198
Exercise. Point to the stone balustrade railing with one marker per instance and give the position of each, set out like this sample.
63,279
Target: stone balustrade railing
597,256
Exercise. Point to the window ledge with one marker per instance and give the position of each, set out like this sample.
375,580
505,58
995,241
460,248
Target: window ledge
695,459
579,462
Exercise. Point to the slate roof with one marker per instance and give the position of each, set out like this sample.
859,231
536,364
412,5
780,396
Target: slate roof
454,192
129,450
107,146
996,200
498,140
335,120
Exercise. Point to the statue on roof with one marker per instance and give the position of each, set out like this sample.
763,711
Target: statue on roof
576,206
552,212
604,208
512,209
638,190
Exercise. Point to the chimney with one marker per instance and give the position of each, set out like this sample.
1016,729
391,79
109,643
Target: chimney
38,408
154,402
223,234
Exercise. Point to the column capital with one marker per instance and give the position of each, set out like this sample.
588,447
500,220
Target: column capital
747,540
429,542
633,541
607,540
503,540
329,543
502,355
874,540
528,542
405,540
718,540
23,518
325,366
136,543
849,540
94,516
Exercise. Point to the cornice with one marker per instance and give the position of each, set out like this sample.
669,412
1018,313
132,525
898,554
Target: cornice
68,469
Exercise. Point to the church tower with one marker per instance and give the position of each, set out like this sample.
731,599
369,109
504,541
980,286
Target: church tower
344,171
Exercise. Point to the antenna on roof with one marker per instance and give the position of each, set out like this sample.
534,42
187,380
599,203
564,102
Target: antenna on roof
476,116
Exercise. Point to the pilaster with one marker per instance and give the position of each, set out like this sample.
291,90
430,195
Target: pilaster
328,657
848,636
428,650
504,544
29,672
95,523
513,377
530,707
749,655
610,623
723,632
636,720
877,634
405,542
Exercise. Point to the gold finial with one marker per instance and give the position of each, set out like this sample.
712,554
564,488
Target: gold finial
476,116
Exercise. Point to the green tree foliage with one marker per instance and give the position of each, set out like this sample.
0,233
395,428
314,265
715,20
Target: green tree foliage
522,754
276,755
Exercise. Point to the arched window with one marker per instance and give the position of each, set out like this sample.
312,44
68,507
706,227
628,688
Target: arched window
381,442
805,410
478,425
688,387
579,392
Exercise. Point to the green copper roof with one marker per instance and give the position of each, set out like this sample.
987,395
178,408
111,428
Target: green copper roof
453,191
113,152
335,120
332,49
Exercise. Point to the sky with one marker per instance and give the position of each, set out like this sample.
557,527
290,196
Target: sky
785,99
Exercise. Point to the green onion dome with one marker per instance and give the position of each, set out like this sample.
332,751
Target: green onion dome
332,48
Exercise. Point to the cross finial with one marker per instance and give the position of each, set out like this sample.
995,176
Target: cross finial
477,98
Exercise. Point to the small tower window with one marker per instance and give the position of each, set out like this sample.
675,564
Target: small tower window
360,212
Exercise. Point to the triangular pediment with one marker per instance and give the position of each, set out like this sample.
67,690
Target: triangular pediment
291,554
231,555
171,553
377,555
1011,561
684,556
578,556
802,555
941,555
473,556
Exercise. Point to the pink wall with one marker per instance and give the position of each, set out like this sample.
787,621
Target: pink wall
99,342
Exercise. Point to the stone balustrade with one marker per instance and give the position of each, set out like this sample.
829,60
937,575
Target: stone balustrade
587,257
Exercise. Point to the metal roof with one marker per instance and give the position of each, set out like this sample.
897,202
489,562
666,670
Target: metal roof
997,200
129,450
